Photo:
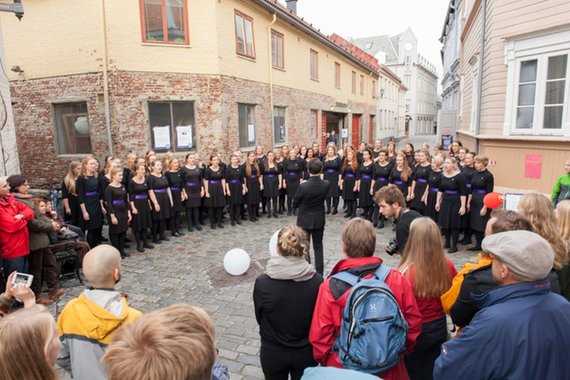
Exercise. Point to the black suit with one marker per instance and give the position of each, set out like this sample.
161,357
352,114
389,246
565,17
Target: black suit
310,200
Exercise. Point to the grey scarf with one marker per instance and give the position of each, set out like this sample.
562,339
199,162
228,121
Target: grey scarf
289,268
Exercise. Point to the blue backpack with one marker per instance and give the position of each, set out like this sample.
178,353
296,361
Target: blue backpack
373,329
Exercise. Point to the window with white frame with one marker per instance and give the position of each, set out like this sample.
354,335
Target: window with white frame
537,87
474,97
279,126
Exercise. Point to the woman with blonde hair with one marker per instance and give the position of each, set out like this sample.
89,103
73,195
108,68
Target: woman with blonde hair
430,272
563,218
90,195
401,174
71,208
284,299
30,345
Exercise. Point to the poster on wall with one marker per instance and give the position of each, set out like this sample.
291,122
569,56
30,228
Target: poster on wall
533,166
446,141
161,137
251,133
184,136
344,133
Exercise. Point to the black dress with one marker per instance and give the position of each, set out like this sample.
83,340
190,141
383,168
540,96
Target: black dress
482,183
396,179
193,185
127,175
160,187
452,188
215,189
176,185
252,182
365,174
116,203
235,179
138,195
434,180
349,180
75,219
271,181
421,176
293,172
331,173
467,172
89,193
381,175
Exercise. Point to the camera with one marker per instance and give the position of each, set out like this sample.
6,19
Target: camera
22,279
392,247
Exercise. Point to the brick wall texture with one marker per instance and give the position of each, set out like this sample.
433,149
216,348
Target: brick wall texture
215,112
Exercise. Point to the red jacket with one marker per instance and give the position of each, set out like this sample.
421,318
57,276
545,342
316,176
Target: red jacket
327,316
14,236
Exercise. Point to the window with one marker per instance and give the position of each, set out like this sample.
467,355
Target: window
277,50
555,86
374,89
314,64
72,128
246,125
314,124
362,85
165,21
474,117
527,89
244,35
172,126
354,82
279,128
337,75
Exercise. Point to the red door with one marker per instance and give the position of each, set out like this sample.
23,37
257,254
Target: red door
355,130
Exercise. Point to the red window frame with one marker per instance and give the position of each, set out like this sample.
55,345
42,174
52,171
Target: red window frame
164,25
250,19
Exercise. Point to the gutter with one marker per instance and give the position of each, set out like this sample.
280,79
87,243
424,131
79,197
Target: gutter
270,65
481,62
106,79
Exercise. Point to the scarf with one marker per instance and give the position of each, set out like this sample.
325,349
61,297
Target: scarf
289,268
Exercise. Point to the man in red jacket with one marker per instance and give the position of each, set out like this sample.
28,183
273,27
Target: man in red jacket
358,246
14,236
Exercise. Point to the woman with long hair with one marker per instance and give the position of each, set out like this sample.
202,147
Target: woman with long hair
454,148
161,201
253,185
420,182
71,208
174,177
118,211
382,169
410,154
468,170
563,219
391,148
193,191
365,184
430,196
303,152
235,188
293,169
451,203
129,169
401,174
348,183
280,161
30,345
482,183
424,264
90,194
140,207
215,189
331,168
271,179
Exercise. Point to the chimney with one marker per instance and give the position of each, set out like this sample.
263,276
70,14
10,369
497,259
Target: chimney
292,6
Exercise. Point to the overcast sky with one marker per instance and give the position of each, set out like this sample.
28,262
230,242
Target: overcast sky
362,18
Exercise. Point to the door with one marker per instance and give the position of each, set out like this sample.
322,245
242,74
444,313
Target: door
371,129
356,130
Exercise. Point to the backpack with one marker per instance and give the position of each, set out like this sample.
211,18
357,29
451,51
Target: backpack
373,329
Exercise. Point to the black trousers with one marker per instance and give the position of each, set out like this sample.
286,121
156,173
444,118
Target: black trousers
43,266
367,213
350,208
332,202
279,364
316,236
271,204
193,216
158,229
215,215
94,237
428,347
235,212
282,202
118,241
253,211
175,221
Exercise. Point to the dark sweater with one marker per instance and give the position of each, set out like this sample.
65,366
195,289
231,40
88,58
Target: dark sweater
403,227
284,310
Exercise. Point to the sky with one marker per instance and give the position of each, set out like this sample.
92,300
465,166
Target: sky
362,18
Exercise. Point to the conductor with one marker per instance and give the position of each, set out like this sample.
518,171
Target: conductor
310,201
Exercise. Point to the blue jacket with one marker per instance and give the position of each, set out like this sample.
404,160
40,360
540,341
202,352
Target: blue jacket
522,331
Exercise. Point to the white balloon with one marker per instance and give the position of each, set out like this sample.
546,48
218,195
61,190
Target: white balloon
236,262
273,244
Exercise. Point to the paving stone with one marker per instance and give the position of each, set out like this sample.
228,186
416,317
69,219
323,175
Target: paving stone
251,372
248,350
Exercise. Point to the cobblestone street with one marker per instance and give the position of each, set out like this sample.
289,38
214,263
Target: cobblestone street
189,269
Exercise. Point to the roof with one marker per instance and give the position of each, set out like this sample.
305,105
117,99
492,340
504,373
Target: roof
281,11
355,50
374,45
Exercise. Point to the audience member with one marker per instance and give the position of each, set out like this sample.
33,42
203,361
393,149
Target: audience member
332,373
563,218
19,292
521,331
87,323
430,272
30,345
174,343
561,188
284,299
358,243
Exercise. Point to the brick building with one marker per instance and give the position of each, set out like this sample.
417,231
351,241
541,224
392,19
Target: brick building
99,76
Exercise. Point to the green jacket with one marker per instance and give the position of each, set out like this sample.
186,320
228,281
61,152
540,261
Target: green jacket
561,189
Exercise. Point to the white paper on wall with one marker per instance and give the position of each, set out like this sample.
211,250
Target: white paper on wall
251,133
161,137
512,201
184,136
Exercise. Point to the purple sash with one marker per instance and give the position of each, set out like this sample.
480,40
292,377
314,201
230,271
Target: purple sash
159,190
141,197
118,202
421,180
91,194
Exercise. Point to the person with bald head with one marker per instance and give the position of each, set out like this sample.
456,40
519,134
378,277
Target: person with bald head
87,323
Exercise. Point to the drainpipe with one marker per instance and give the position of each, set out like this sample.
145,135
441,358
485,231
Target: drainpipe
106,79
481,62
270,65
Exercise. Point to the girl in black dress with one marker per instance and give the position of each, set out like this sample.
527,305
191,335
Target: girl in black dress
271,179
434,179
280,161
401,174
360,153
140,207
118,213
71,208
409,151
482,183
365,184
332,165
175,182
193,191
308,157
420,182
129,169
451,203
293,170
303,152
382,170
468,170
392,153
253,186
215,188
235,188
348,183
454,148
89,195
159,194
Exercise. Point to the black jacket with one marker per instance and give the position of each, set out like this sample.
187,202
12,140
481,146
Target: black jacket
310,200
403,227
284,310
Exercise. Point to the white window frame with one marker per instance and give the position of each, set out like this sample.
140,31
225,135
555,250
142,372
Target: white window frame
473,116
541,48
